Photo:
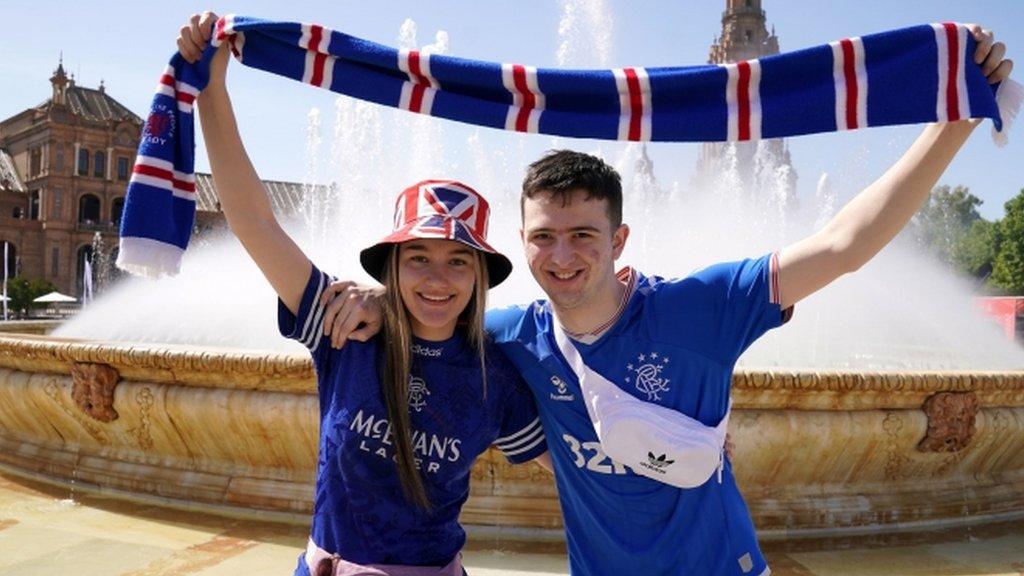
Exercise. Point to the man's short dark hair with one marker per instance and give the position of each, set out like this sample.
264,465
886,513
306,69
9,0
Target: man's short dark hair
562,172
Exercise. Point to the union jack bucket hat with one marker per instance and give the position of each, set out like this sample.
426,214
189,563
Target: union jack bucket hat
439,210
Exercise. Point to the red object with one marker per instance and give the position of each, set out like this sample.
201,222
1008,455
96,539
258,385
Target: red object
636,104
953,57
528,97
1008,311
743,99
850,72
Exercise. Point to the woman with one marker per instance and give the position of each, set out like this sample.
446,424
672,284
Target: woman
400,423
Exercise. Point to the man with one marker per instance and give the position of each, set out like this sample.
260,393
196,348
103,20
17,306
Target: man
668,343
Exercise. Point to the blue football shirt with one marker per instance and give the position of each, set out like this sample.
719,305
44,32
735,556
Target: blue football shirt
675,344
359,509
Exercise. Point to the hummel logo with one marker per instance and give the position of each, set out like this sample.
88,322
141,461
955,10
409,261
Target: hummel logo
563,389
657,464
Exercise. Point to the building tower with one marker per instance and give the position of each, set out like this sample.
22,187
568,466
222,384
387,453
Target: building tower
745,36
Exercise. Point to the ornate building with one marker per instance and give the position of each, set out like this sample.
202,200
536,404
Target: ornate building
745,36
67,161
64,168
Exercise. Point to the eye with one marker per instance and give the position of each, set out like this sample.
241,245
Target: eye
583,234
459,262
540,237
418,258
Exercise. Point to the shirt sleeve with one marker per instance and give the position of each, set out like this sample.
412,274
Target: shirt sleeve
306,327
520,435
750,291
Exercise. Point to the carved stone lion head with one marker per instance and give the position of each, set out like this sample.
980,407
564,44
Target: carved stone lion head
951,418
93,390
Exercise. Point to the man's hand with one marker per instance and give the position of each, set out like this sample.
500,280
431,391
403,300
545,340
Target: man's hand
875,216
352,312
989,54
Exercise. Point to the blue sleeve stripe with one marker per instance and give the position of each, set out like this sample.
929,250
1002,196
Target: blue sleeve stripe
312,330
525,435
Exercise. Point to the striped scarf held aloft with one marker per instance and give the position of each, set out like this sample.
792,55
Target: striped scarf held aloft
906,76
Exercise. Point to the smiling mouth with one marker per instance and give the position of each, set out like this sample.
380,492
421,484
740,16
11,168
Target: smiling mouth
565,276
434,299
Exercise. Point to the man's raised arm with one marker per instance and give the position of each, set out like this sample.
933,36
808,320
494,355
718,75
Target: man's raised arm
877,214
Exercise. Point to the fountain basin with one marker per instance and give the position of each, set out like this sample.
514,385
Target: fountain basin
235,432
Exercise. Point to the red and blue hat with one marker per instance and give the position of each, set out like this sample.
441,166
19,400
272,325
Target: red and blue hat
439,210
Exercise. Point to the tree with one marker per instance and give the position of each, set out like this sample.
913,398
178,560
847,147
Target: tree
1008,264
947,217
975,252
22,291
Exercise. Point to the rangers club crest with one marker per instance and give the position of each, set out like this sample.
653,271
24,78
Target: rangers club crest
645,374
159,126
417,393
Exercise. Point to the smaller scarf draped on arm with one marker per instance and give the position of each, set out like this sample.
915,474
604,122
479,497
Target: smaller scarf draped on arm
907,76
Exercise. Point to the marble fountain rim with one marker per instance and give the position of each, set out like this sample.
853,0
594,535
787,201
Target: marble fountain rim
276,371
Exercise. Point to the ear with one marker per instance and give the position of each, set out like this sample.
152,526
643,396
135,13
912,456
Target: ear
619,238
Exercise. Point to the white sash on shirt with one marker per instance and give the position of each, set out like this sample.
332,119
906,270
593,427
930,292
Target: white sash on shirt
654,441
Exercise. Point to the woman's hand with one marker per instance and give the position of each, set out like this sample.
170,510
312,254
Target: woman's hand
193,39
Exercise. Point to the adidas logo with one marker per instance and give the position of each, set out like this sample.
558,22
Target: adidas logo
657,464
420,350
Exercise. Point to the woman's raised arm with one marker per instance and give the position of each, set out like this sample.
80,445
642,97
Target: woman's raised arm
242,195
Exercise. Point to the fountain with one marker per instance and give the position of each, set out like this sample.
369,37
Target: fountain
876,410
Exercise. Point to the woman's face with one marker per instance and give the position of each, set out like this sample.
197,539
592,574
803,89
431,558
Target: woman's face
436,280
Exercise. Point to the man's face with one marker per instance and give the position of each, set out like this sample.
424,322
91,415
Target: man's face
571,249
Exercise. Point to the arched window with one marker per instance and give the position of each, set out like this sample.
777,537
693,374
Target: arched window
12,260
116,208
99,164
83,162
88,208
84,253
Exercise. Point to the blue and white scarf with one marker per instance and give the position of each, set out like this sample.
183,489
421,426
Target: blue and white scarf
907,76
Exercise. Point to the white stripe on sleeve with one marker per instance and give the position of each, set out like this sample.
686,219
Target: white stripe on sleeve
522,440
312,329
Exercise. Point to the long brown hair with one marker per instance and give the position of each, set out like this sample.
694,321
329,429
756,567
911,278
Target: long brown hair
397,366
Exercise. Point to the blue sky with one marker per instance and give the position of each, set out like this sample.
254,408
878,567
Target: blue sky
127,44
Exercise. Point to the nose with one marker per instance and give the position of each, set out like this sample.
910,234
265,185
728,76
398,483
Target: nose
561,253
435,275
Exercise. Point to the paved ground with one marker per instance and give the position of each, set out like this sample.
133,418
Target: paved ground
44,532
